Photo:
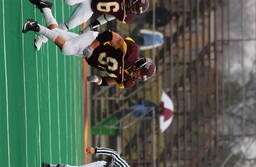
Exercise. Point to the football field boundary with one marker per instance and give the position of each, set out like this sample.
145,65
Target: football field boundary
42,108
6,86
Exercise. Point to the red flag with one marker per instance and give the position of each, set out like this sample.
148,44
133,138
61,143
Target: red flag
166,116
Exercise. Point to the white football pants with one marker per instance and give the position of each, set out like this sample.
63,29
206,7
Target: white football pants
75,44
82,14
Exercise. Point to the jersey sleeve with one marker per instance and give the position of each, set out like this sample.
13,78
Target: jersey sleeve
119,161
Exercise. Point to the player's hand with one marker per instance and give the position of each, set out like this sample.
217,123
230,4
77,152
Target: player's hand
90,150
95,79
88,52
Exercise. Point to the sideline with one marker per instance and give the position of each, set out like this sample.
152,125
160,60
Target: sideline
85,111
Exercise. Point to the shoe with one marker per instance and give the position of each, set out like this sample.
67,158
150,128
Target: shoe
52,165
41,4
45,165
30,25
39,41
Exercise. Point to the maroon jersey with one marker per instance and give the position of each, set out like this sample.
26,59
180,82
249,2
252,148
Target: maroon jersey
112,7
115,63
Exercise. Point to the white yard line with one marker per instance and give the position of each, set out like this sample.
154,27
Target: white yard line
58,98
71,111
49,101
38,103
65,85
6,87
25,90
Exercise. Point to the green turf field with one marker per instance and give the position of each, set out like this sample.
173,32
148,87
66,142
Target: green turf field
41,93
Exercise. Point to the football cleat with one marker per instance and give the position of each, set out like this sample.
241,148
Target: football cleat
52,165
39,41
45,165
41,4
30,25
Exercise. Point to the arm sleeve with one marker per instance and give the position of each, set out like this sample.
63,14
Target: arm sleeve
109,152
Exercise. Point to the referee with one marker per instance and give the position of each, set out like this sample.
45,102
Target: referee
114,159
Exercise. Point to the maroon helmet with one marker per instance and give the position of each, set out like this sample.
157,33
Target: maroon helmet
145,67
136,7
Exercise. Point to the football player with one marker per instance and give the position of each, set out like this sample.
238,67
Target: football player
108,10
106,51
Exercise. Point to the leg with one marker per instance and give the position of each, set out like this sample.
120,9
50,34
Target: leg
93,164
53,35
70,43
77,44
50,22
81,14
45,8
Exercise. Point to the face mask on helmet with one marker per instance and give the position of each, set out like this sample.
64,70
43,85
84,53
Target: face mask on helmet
136,7
144,69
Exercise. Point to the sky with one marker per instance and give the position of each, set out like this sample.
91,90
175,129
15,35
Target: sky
240,60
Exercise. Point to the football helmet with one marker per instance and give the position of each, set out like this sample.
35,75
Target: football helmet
136,7
145,67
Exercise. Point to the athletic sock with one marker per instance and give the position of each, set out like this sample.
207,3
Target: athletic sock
51,35
49,19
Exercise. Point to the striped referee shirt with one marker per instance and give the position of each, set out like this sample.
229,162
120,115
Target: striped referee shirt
119,162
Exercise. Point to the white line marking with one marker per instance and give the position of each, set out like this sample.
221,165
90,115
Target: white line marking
6,87
49,101
71,111
25,90
38,102
58,98
65,85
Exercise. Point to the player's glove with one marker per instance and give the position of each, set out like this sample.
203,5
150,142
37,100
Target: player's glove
94,79
88,52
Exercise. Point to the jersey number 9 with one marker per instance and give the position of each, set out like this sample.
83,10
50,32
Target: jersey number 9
108,7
